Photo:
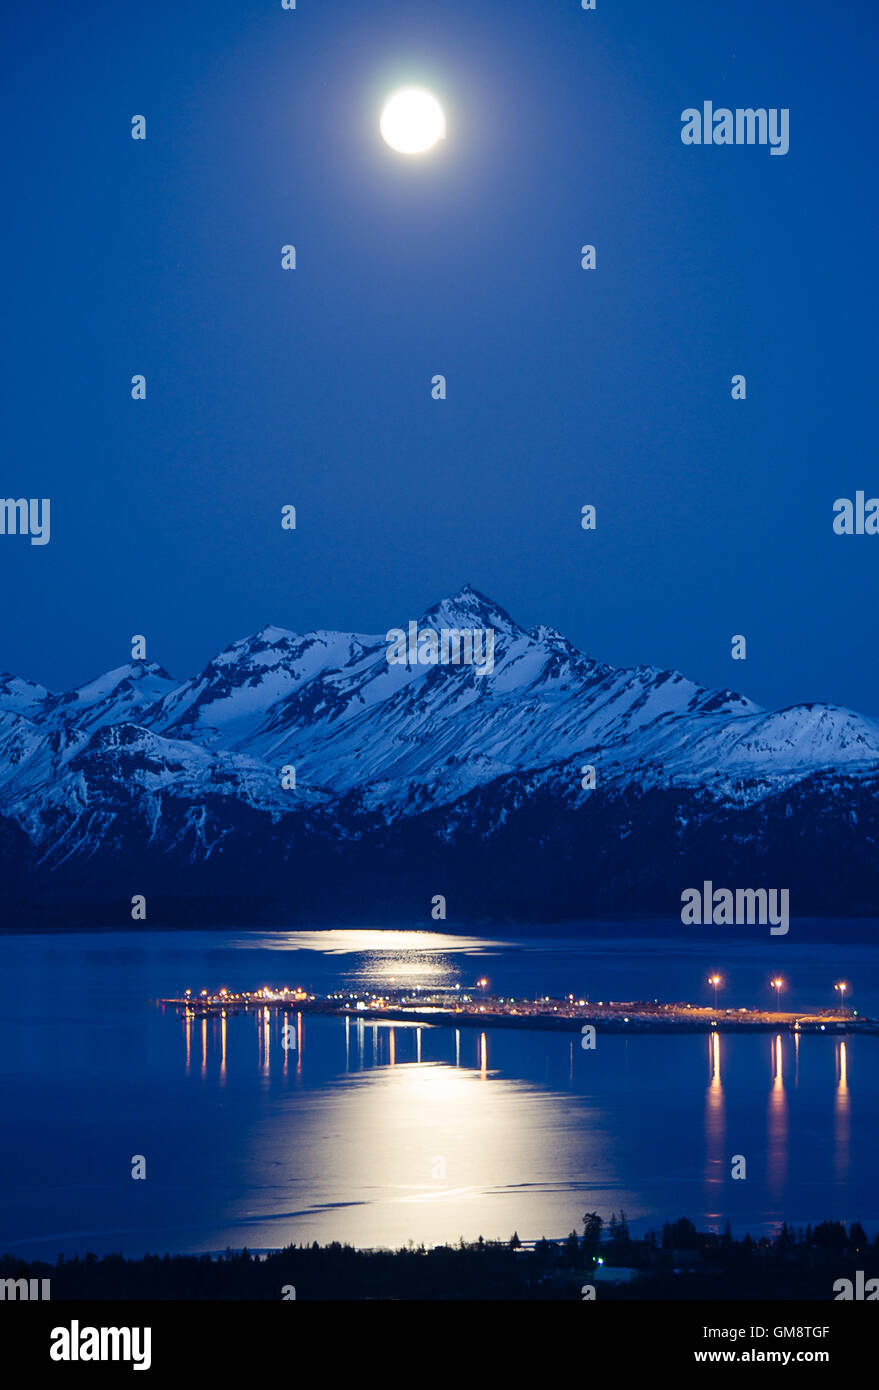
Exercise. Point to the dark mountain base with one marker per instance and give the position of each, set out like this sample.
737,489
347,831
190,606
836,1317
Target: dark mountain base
501,858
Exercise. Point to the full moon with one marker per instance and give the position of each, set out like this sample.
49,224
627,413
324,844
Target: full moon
412,121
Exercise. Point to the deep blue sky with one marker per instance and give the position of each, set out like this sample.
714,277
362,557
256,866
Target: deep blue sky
565,387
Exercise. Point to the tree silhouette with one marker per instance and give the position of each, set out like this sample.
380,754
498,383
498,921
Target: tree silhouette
592,1227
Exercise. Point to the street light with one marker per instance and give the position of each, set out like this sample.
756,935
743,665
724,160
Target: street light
715,980
777,985
842,987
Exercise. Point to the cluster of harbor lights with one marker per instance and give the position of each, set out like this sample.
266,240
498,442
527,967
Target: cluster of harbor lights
778,984
415,1007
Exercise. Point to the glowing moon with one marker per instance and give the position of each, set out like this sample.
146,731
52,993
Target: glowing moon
412,121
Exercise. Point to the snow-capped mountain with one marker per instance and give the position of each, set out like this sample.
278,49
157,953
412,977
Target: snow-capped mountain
20,696
313,754
125,693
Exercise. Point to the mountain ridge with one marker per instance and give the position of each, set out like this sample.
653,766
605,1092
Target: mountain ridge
286,744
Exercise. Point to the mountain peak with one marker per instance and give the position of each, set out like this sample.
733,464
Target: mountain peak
20,696
102,686
271,633
468,607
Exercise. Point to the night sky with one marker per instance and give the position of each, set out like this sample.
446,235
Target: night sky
565,387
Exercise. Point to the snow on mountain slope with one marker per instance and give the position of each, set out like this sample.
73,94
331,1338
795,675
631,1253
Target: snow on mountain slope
21,696
777,747
236,690
31,756
405,735
121,694
125,777
397,740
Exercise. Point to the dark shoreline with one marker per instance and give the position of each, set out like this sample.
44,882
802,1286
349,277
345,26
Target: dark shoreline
803,931
677,1262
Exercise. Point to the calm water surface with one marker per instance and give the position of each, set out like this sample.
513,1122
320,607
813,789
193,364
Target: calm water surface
381,1134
